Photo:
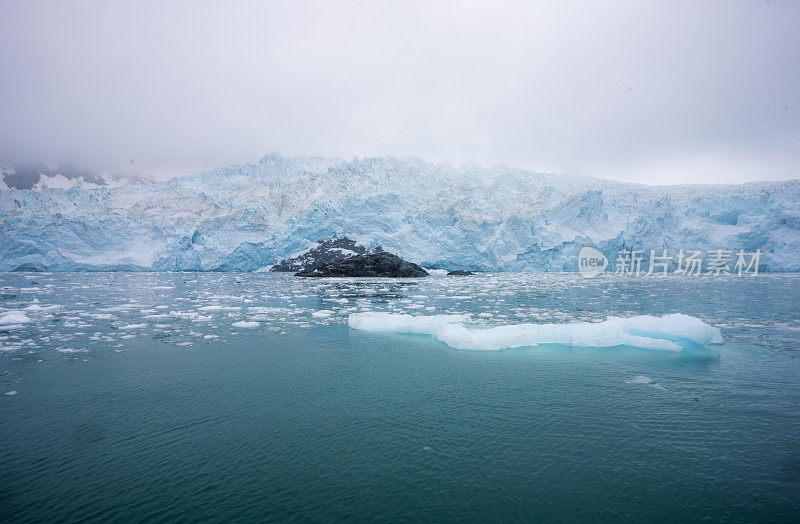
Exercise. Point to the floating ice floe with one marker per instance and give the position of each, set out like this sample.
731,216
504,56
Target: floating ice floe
245,324
645,381
219,308
13,318
133,326
101,316
671,332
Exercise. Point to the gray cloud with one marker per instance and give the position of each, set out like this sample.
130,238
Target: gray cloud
684,91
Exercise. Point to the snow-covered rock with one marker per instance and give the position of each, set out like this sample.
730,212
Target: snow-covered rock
381,264
320,253
247,217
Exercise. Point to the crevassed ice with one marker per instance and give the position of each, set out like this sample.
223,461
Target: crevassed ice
671,332
432,214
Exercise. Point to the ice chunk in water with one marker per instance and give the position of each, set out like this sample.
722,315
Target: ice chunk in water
133,326
245,324
671,332
646,381
8,318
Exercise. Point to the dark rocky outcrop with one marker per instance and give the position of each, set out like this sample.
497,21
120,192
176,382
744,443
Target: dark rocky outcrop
28,268
460,273
324,251
381,264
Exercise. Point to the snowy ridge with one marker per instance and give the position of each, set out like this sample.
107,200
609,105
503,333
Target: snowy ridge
247,217
53,176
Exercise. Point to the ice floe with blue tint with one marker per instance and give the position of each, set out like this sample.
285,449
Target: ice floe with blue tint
13,319
671,332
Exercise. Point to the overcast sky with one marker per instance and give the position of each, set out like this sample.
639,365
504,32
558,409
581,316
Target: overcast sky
654,92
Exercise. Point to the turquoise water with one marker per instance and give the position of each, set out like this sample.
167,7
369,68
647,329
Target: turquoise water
138,398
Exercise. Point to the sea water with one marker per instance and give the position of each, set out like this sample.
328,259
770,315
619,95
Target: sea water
219,396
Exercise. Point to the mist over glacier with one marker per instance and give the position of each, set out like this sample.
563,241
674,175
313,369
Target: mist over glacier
246,217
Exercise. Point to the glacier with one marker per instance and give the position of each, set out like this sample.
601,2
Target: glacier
250,216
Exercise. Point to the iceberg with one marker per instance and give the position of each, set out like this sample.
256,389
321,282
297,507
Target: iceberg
673,332
249,217
245,324
13,318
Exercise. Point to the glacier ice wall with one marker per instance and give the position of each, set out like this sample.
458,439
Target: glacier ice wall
245,217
